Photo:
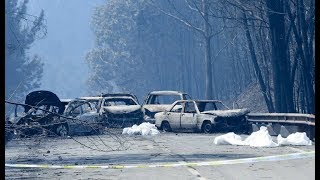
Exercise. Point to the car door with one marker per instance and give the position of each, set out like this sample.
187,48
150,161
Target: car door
174,115
88,118
75,123
188,116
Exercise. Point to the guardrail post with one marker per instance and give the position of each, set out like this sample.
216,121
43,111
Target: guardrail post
255,128
270,130
284,132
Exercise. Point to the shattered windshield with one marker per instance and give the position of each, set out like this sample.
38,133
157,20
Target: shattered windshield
94,104
163,99
119,102
74,105
211,106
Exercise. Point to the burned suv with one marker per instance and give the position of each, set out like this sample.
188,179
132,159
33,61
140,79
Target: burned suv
158,101
120,110
40,114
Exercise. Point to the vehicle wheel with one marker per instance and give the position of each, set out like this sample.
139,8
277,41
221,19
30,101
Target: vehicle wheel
98,131
165,127
247,129
101,131
62,130
207,127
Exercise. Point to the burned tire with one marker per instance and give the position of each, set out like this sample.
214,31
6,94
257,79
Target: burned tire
246,129
98,131
206,127
165,126
62,130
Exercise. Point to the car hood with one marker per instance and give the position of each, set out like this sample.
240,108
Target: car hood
39,98
157,107
227,113
122,109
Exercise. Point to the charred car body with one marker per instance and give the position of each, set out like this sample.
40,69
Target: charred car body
83,118
65,102
95,101
201,115
158,101
40,114
121,110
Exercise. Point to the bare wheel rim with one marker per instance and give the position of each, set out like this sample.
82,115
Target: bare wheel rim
166,127
207,127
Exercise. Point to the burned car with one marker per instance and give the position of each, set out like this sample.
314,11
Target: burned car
81,117
95,101
201,115
121,110
158,101
65,102
40,114
120,95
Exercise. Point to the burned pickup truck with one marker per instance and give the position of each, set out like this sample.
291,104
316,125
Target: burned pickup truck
201,115
121,110
39,114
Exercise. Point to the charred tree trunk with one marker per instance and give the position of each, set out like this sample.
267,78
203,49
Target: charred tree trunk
207,56
263,87
283,93
303,53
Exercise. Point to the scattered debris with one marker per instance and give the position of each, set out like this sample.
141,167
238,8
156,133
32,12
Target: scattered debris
229,138
144,129
262,138
296,139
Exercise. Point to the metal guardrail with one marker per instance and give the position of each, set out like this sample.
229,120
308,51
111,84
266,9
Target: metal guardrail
283,118
283,123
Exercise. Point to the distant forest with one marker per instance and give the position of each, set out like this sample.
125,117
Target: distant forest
211,49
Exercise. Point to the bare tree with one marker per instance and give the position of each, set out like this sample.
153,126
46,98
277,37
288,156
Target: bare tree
204,26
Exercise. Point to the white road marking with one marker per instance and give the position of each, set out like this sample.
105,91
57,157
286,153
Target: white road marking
196,173
193,171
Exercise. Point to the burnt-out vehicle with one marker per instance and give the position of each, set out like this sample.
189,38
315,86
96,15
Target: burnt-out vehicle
202,116
65,102
40,114
158,101
121,110
82,117
95,101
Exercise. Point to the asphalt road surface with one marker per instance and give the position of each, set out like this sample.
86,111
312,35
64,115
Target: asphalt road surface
166,148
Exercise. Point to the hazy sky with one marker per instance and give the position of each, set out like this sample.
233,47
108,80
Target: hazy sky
69,38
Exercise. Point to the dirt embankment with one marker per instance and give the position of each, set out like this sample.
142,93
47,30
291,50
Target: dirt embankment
251,98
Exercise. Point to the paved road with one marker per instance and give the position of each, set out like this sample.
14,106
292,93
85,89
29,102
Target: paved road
165,148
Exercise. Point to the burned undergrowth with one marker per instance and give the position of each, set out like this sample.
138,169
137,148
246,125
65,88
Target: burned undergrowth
40,132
